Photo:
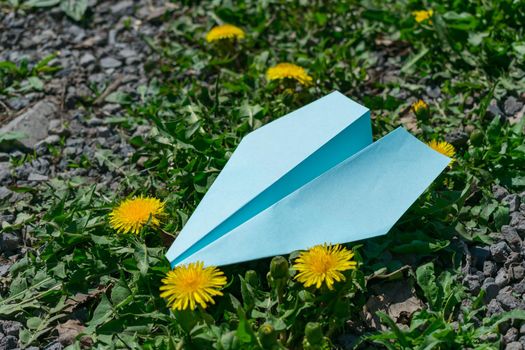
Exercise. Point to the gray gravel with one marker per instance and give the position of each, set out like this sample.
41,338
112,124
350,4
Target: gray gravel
63,128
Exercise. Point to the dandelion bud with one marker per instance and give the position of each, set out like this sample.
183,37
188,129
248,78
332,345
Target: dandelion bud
279,268
313,333
251,278
267,336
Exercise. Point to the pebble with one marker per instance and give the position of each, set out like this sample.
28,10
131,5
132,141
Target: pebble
489,268
458,139
5,192
8,343
491,290
494,110
499,192
9,242
122,7
512,106
103,131
510,235
4,269
472,283
10,327
514,346
499,251
127,53
494,308
508,301
110,62
17,103
502,278
517,272
513,200
37,177
511,335
479,256
87,59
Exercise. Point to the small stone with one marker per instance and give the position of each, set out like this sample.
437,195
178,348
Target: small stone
4,269
4,157
491,290
103,131
142,130
517,272
517,220
5,193
499,192
57,128
33,123
87,59
458,139
513,200
522,329
479,255
17,103
511,335
512,106
494,308
95,122
499,251
9,242
50,140
472,283
515,345
110,62
127,53
513,257
489,268
10,327
502,278
54,346
5,172
510,235
508,301
37,177
494,110
122,7
433,91
8,343
74,142
519,287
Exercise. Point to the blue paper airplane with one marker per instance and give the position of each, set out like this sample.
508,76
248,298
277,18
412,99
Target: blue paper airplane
311,177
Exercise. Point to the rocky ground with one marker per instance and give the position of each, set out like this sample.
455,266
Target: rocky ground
68,125
499,269
71,134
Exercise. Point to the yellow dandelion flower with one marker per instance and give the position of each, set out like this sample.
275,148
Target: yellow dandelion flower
132,214
422,15
289,71
444,148
225,31
419,106
323,263
188,285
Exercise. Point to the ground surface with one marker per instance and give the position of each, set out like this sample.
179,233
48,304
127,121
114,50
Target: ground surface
130,100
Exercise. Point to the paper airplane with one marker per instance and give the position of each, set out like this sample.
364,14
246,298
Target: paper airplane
310,177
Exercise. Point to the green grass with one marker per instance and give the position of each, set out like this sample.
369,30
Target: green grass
203,98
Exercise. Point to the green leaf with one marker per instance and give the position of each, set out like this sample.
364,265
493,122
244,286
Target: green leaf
74,8
426,280
120,292
33,322
244,332
11,136
102,312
